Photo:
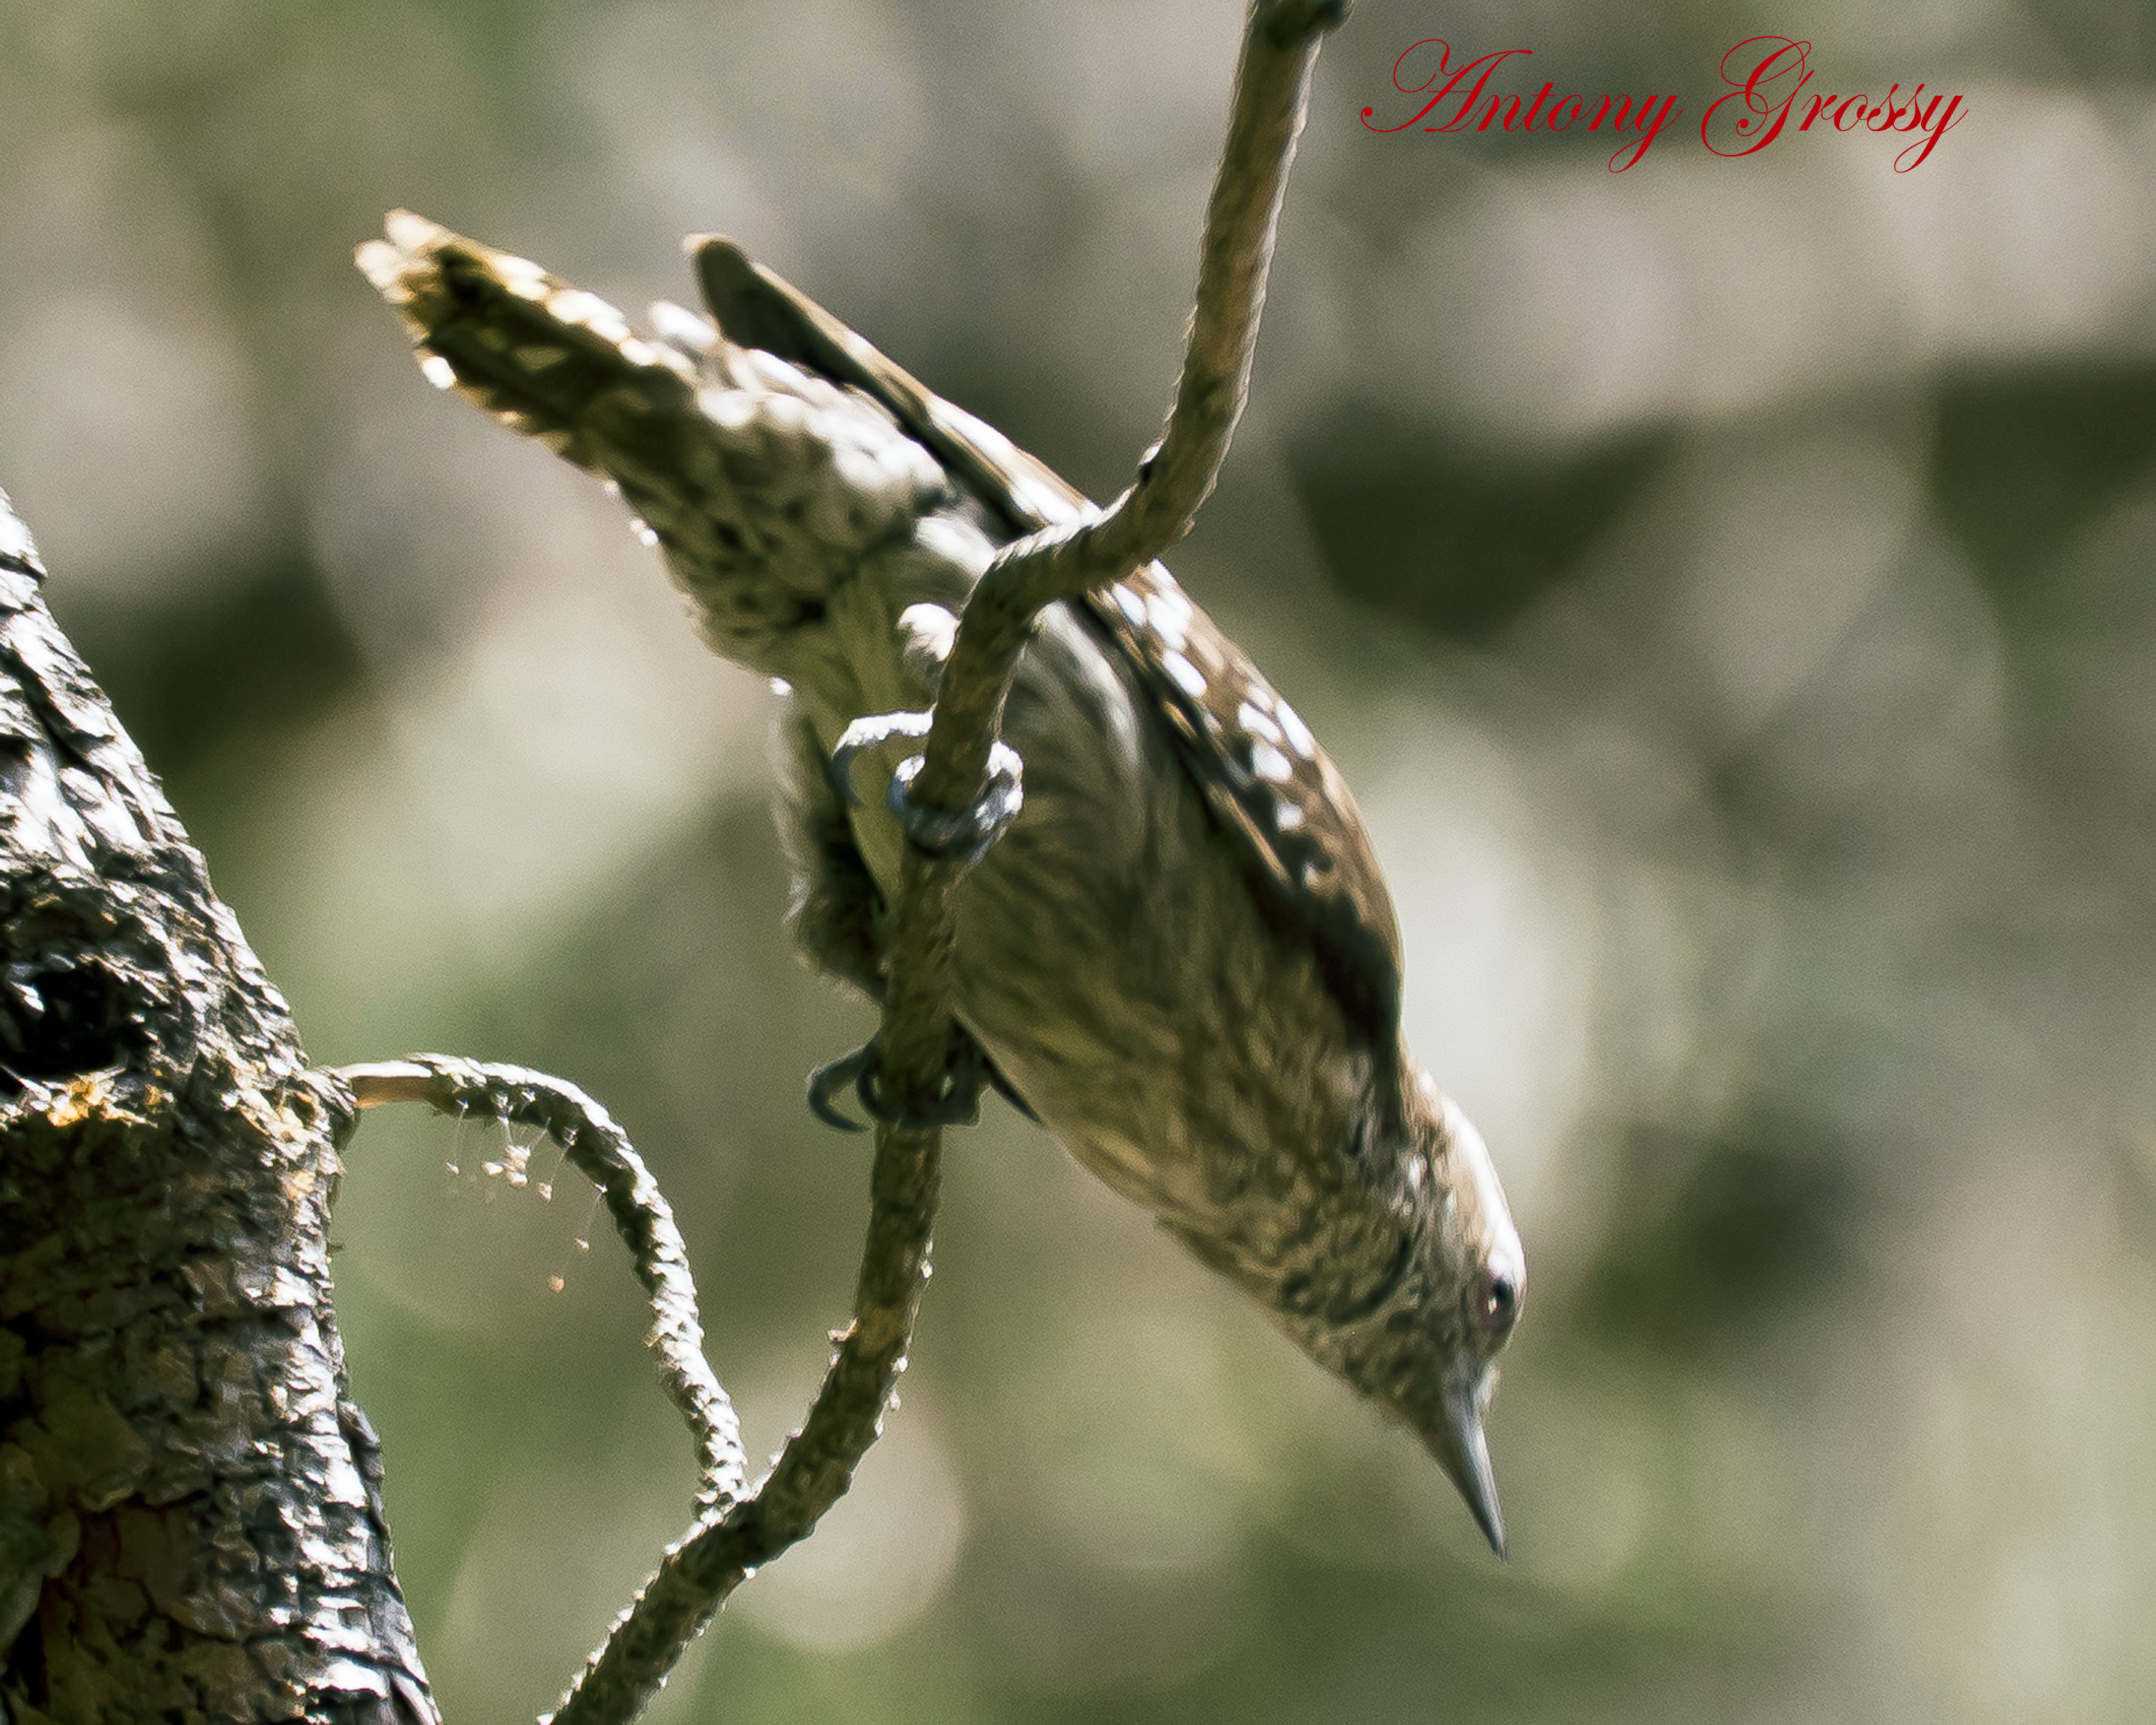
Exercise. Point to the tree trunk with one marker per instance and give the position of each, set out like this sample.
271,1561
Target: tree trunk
190,1525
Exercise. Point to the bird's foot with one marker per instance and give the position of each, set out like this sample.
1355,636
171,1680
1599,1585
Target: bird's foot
868,733
967,1071
961,834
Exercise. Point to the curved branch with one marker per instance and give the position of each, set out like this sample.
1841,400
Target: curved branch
725,1547
602,1153
1265,117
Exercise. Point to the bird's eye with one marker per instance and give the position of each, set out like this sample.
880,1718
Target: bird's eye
1497,1300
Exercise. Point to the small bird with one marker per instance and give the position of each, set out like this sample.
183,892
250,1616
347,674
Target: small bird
1180,957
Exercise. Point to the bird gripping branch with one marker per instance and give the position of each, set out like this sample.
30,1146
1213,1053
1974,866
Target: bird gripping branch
1181,956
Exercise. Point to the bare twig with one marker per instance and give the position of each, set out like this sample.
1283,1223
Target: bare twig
1272,83
601,1151
813,1470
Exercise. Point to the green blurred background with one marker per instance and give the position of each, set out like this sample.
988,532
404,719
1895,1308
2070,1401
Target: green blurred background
1724,584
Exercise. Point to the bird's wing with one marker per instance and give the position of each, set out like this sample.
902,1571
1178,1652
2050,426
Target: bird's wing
1262,772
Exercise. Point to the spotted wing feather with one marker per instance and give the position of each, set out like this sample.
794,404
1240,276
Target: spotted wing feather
1262,772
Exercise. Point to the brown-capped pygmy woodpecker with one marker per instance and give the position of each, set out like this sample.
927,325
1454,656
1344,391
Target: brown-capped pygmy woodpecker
1181,957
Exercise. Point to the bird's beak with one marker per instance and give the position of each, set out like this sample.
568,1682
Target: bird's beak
1461,1449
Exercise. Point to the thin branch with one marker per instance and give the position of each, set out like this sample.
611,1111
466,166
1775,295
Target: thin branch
814,1468
602,1153
1265,117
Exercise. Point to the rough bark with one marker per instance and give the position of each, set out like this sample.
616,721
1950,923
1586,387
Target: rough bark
190,1523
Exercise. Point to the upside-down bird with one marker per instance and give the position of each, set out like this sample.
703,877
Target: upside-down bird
1180,957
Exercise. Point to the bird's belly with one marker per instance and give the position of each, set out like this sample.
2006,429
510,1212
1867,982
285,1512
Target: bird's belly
1112,957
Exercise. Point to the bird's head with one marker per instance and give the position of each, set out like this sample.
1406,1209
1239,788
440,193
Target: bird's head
1476,1276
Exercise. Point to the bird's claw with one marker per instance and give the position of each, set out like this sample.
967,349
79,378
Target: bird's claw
868,733
827,1081
963,835
967,1071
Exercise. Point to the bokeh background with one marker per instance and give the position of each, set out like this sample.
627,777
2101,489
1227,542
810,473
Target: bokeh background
1725,584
